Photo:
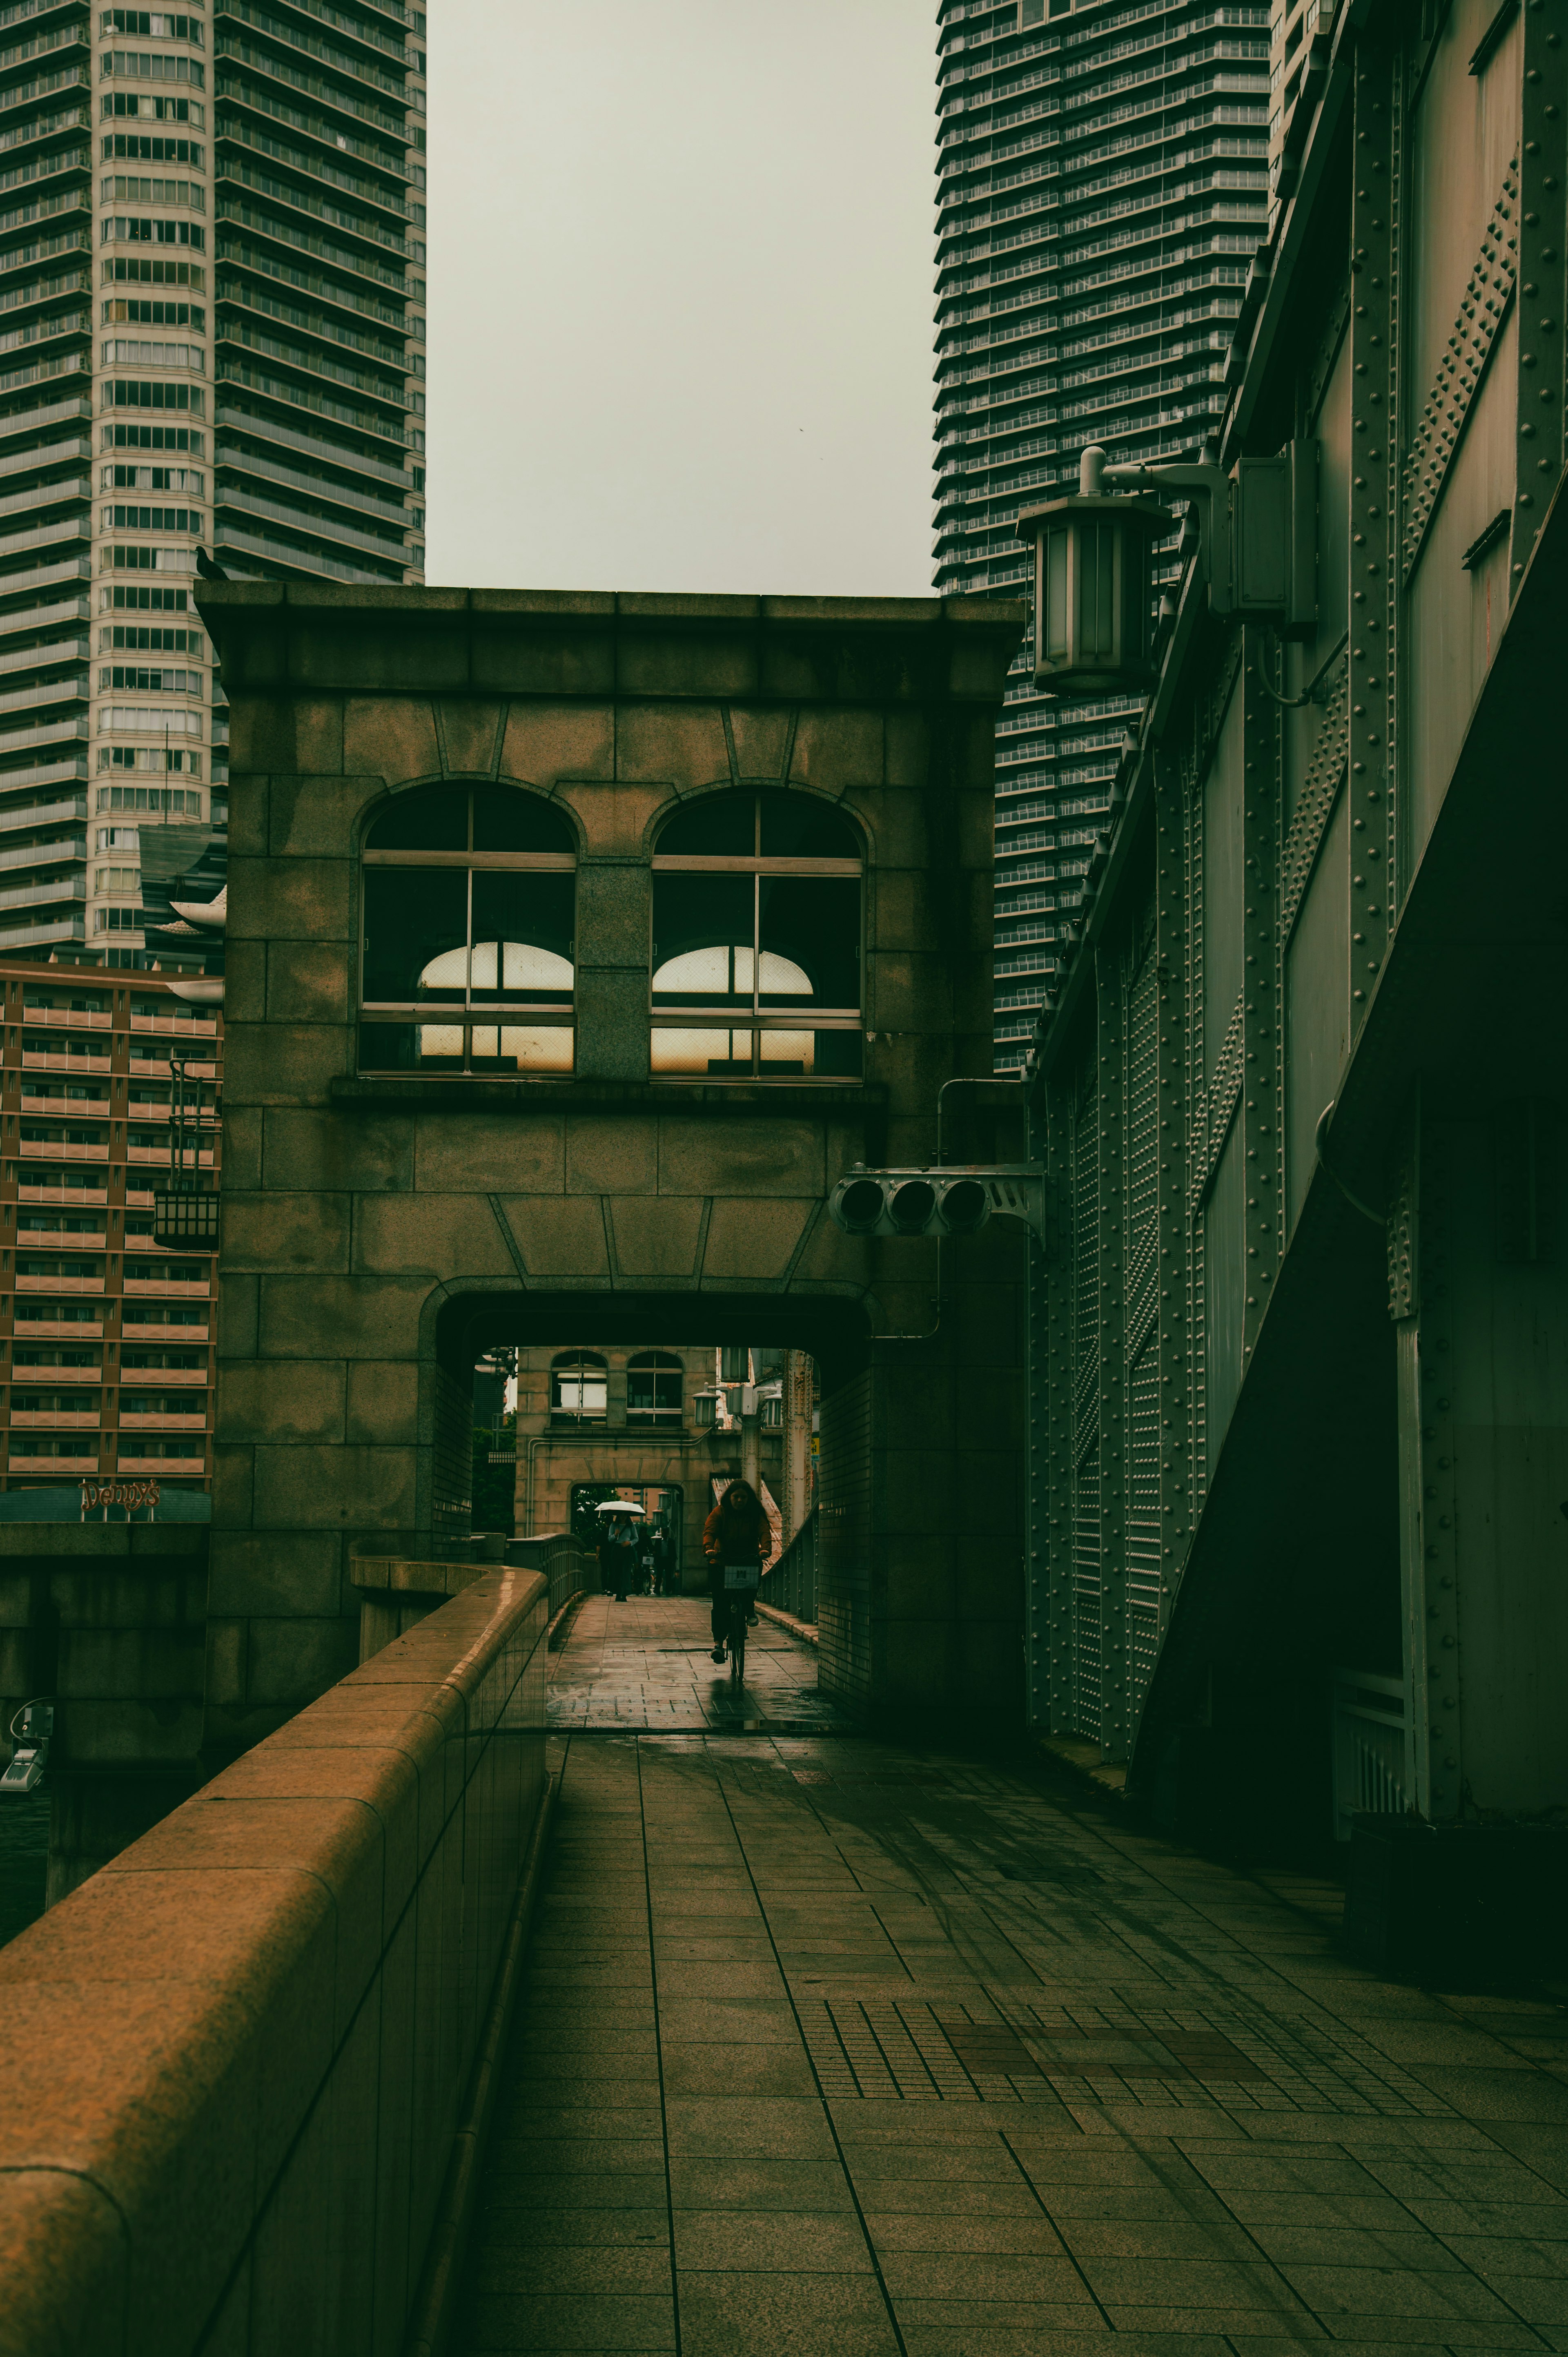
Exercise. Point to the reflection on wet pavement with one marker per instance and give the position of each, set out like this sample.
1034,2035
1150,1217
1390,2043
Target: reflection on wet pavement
647,1663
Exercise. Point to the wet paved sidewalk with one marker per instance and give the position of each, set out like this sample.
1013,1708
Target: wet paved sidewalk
648,1662
833,2050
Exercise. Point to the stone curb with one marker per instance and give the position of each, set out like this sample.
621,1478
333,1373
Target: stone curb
805,1629
437,2309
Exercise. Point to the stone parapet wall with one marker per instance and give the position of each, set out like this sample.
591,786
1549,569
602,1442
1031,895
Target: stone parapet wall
237,2062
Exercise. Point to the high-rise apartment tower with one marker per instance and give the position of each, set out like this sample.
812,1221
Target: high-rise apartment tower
1104,183
211,333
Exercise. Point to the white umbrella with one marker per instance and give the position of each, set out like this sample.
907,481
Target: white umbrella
619,1506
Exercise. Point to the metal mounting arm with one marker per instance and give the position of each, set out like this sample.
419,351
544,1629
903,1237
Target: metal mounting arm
1204,482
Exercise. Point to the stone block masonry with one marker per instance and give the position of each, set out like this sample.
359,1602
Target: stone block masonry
397,1198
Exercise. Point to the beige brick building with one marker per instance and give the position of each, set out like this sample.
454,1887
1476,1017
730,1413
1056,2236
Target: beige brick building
108,1332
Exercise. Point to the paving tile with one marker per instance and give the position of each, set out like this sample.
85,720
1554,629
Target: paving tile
709,2182
727,2019
1156,2238
1294,2247
1255,2344
1404,2292
1498,2094
1213,2317
574,2155
522,2115
555,2270
772,2241
683,1979
931,2329
988,2197
1537,2297
736,2314
585,2230
979,2275
1020,2235
503,2324
736,2068
752,2127
556,2191
1385,2170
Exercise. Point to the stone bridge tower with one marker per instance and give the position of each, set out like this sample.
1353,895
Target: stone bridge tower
578,945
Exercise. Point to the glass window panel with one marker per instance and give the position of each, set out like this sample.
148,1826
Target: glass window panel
522,1047
1056,596
411,1046
417,933
703,939
523,936
506,819
810,940
652,1393
808,1055
436,818
1096,548
717,826
722,1055
799,826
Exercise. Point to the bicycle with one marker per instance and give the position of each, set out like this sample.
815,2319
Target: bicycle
740,1593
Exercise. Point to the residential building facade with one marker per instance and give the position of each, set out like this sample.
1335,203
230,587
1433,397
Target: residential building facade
109,1333
212,335
1103,186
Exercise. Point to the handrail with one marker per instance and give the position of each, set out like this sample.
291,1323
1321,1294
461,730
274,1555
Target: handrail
790,1585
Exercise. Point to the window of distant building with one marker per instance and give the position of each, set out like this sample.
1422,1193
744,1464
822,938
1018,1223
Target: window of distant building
579,1387
467,947
654,1388
757,940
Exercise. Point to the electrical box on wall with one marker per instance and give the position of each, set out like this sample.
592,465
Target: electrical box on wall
1273,528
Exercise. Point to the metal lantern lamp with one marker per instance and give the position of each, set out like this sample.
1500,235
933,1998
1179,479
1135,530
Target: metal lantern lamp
1095,623
705,1409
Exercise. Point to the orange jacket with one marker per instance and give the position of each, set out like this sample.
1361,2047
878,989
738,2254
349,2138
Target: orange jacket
730,1535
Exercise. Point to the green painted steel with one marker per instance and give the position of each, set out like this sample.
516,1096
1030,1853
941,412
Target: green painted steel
1302,1159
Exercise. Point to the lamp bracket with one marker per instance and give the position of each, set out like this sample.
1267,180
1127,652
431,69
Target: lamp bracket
1258,532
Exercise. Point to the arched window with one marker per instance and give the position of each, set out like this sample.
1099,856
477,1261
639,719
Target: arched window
757,940
467,959
654,1386
579,1387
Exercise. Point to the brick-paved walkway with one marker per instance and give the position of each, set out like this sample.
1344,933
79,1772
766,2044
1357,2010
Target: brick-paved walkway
648,1662
830,2049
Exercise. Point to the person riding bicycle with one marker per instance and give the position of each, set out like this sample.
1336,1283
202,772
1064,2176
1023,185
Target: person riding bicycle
735,1532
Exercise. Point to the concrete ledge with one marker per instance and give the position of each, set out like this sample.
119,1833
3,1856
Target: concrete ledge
561,1622
236,2059
1083,1760
775,1098
805,1629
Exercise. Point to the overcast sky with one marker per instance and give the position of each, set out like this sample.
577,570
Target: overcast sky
680,294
